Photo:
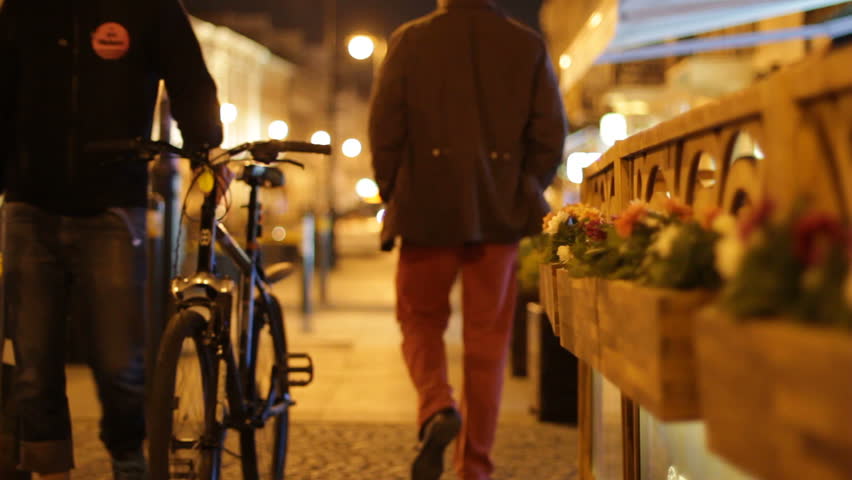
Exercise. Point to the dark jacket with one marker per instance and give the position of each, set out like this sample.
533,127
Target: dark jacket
466,129
76,71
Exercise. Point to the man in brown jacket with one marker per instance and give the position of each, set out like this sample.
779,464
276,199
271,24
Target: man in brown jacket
467,128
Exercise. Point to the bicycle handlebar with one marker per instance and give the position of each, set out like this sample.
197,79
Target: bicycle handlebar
264,151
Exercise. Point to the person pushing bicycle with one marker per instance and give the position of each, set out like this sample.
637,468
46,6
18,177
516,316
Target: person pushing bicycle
75,224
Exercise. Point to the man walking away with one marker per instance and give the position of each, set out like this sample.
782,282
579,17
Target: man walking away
467,128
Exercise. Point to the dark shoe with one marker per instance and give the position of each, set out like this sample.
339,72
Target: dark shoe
130,467
15,475
438,432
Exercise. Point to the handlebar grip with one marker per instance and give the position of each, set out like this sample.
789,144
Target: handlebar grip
302,147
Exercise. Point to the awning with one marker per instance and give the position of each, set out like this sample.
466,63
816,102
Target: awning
642,22
621,31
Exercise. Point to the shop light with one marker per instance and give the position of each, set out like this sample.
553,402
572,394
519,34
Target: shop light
596,19
228,113
279,234
321,138
613,128
565,61
278,130
576,162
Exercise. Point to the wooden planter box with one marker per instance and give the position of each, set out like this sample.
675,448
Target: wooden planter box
583,319
547,293
776,396
565,304
647,345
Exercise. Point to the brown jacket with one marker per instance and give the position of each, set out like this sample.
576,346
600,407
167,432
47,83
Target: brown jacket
466,128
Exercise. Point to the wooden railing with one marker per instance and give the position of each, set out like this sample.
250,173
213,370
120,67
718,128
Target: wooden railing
787,138
789,135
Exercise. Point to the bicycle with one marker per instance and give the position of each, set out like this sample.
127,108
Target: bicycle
202,387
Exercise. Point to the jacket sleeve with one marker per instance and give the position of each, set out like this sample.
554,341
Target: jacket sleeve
191,89
388,125
547,126
9,60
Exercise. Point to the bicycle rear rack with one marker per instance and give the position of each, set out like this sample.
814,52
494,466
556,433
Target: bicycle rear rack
305,367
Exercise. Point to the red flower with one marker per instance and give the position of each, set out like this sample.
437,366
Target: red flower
757,218
815,234
594,231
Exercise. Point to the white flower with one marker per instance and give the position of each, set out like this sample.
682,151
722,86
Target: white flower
729,255
665,240
651,222
847,288
557,220
725,225
564,254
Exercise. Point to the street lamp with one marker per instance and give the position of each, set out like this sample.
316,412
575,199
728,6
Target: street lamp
321,138
352,148
361,47
278,130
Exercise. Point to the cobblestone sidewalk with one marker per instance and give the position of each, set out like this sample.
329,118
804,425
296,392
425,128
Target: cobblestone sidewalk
352,451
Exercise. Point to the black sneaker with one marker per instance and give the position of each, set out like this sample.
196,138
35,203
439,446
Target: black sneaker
438,432
131,466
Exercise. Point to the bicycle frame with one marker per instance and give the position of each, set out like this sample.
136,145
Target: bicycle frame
243,396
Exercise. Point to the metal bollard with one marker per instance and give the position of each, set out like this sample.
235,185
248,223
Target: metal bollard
308,261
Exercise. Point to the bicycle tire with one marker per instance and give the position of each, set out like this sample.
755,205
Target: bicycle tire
264,450
191,449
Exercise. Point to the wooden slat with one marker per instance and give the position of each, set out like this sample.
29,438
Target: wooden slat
647,346
565,303
584,317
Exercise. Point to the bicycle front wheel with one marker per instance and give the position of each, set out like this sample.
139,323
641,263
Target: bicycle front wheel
186,406
264,449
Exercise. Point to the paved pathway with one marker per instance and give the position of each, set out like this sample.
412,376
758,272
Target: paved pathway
356,420
376,451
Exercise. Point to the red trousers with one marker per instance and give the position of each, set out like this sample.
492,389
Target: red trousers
425,276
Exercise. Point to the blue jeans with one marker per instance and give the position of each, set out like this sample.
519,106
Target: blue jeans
91,269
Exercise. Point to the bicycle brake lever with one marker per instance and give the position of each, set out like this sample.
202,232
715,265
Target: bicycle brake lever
293,162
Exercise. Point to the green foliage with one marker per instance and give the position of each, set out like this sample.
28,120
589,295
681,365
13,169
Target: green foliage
690,264
533,251
773,281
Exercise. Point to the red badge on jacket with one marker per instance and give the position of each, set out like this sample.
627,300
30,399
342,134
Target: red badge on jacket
111,41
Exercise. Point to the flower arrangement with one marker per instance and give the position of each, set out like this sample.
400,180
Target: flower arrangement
669,248
799,266
567,227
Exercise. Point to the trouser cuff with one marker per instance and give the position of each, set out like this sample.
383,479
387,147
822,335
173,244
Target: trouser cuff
47,457
8,453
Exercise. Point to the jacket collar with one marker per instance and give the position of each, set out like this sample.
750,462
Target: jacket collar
466,3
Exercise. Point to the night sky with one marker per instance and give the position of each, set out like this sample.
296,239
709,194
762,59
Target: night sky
378,17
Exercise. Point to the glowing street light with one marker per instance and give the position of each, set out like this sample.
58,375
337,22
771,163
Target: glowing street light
596,20
361,47
278,130
352,148
228,113
576,162
321,138
366,188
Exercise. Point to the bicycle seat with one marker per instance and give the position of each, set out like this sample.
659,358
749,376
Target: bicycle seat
263,176
278,271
